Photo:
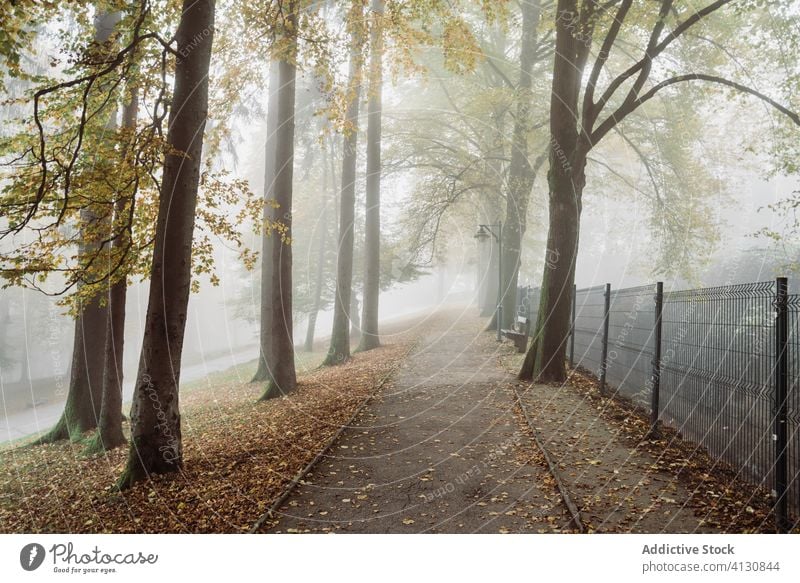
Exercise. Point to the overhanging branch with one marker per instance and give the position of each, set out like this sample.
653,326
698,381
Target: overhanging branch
627,109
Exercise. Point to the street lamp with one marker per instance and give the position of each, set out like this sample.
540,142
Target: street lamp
483,234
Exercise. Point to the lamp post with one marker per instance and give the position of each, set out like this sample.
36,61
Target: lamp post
484,231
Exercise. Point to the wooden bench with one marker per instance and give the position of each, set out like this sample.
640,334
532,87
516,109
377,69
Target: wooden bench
519,334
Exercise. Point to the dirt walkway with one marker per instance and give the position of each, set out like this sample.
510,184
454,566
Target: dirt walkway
444,449
439,450
618,488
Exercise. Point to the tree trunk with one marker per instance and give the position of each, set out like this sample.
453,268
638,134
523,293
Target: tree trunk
545,358
566,178
283,377
372,227
84,396
320,275
267,279
339,350
521,172
109,429
156,446
355,321
5,320
25,366
494,169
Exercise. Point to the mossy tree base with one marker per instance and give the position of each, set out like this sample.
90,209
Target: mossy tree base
368,342
273,391
335,359
262,372
69,427
98,443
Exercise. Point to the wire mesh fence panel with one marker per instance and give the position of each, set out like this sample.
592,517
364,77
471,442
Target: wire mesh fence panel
717,366
793,404
631,320
588,328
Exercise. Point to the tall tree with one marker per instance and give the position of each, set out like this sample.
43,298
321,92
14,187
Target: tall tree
327,220
319,277
109,428
521,172
156,445
372,229
576,127
339,350
268,235
85,393
282,374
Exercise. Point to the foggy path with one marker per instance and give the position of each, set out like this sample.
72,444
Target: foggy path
439,450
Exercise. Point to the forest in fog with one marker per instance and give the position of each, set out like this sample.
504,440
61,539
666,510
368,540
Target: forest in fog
188,186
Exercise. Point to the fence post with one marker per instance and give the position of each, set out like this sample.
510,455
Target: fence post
572,329
781,391
656,378
604,358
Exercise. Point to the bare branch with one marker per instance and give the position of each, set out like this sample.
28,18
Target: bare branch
657,49
622,113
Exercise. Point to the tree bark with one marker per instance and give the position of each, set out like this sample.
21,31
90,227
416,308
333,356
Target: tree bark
372,228
355,321
156,445
339,350
320,272
265,360
521,172
109,429
566,178
84,396
283,377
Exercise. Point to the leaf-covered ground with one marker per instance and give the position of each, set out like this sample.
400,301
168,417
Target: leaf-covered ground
442,449
717,496
239,456
626,481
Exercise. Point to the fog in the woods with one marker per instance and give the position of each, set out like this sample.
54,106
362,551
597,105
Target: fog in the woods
222,330
237,238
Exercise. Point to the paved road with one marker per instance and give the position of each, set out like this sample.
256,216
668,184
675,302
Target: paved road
19,424
439,450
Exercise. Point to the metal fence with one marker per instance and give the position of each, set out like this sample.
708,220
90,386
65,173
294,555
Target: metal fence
721,365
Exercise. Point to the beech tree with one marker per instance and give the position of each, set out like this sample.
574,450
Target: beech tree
372,229
328,193
268,235
82,409
282,374
109,426
521,171
579,121
156,445
339,350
